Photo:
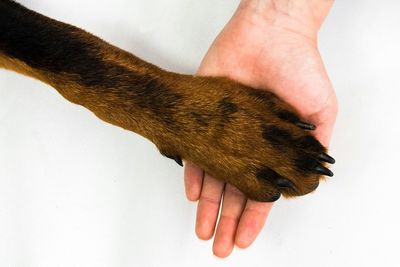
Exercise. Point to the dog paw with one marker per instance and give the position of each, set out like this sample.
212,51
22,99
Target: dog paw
248,138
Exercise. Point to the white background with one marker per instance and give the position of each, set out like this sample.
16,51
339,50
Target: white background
75,191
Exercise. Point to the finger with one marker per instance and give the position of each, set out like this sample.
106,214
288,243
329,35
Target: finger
233,204
323,133
193,177
325,120
208,207
252,221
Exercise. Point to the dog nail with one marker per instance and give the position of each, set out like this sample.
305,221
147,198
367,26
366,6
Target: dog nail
179,161
306,126
324,171
325,157
284,183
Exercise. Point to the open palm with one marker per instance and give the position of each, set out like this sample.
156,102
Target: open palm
268,55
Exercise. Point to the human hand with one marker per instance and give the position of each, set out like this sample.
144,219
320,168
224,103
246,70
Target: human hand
269,45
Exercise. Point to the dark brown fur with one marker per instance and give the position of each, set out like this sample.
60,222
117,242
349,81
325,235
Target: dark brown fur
246,137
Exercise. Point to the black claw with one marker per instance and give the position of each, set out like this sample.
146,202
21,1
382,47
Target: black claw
324,171
284,183
306,126
325,157
177,159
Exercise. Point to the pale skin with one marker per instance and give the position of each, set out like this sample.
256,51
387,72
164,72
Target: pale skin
269,45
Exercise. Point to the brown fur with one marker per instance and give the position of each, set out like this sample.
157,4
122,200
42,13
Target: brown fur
245,137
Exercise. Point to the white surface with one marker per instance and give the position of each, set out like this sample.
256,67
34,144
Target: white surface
75,191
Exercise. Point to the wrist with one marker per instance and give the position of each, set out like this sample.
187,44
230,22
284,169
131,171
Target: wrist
304,16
